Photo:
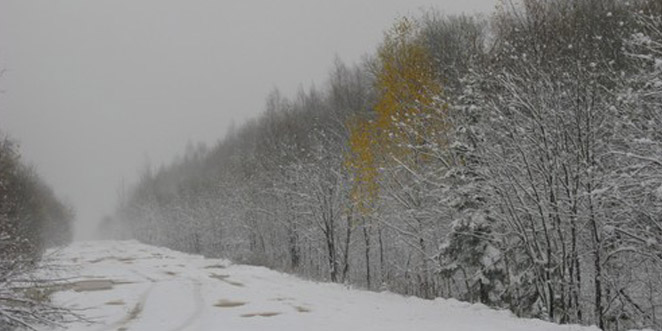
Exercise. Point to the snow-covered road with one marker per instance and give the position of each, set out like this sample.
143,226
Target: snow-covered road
130,286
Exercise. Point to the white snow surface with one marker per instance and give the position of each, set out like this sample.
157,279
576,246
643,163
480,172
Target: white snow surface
155,288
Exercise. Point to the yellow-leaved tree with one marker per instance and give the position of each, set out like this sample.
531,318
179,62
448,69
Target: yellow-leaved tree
409,114
408,124
362,164
409,117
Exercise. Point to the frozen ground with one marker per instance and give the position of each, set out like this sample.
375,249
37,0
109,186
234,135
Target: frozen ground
130,286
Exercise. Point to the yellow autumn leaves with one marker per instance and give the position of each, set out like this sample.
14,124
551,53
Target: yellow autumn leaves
362,164
406,115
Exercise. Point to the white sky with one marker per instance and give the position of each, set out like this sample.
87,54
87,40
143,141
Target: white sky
95,88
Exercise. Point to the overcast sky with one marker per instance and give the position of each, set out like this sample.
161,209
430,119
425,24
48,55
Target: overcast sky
95,89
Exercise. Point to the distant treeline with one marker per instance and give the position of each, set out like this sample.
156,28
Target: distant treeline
513,160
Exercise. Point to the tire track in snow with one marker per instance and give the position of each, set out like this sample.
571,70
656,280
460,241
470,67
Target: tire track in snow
138,307
199,306
133,314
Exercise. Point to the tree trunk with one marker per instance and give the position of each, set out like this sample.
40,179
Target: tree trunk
293,246
597,265
331,247
381,255
366,237
348,236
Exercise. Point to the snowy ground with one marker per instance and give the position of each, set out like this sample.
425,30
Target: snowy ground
131,286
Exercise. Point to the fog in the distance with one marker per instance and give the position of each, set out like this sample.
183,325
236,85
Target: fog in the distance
96,90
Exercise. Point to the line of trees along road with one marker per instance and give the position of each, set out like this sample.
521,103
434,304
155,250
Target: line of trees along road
514,160
32,219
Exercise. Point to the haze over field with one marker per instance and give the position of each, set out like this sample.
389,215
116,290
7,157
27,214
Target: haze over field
96,90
